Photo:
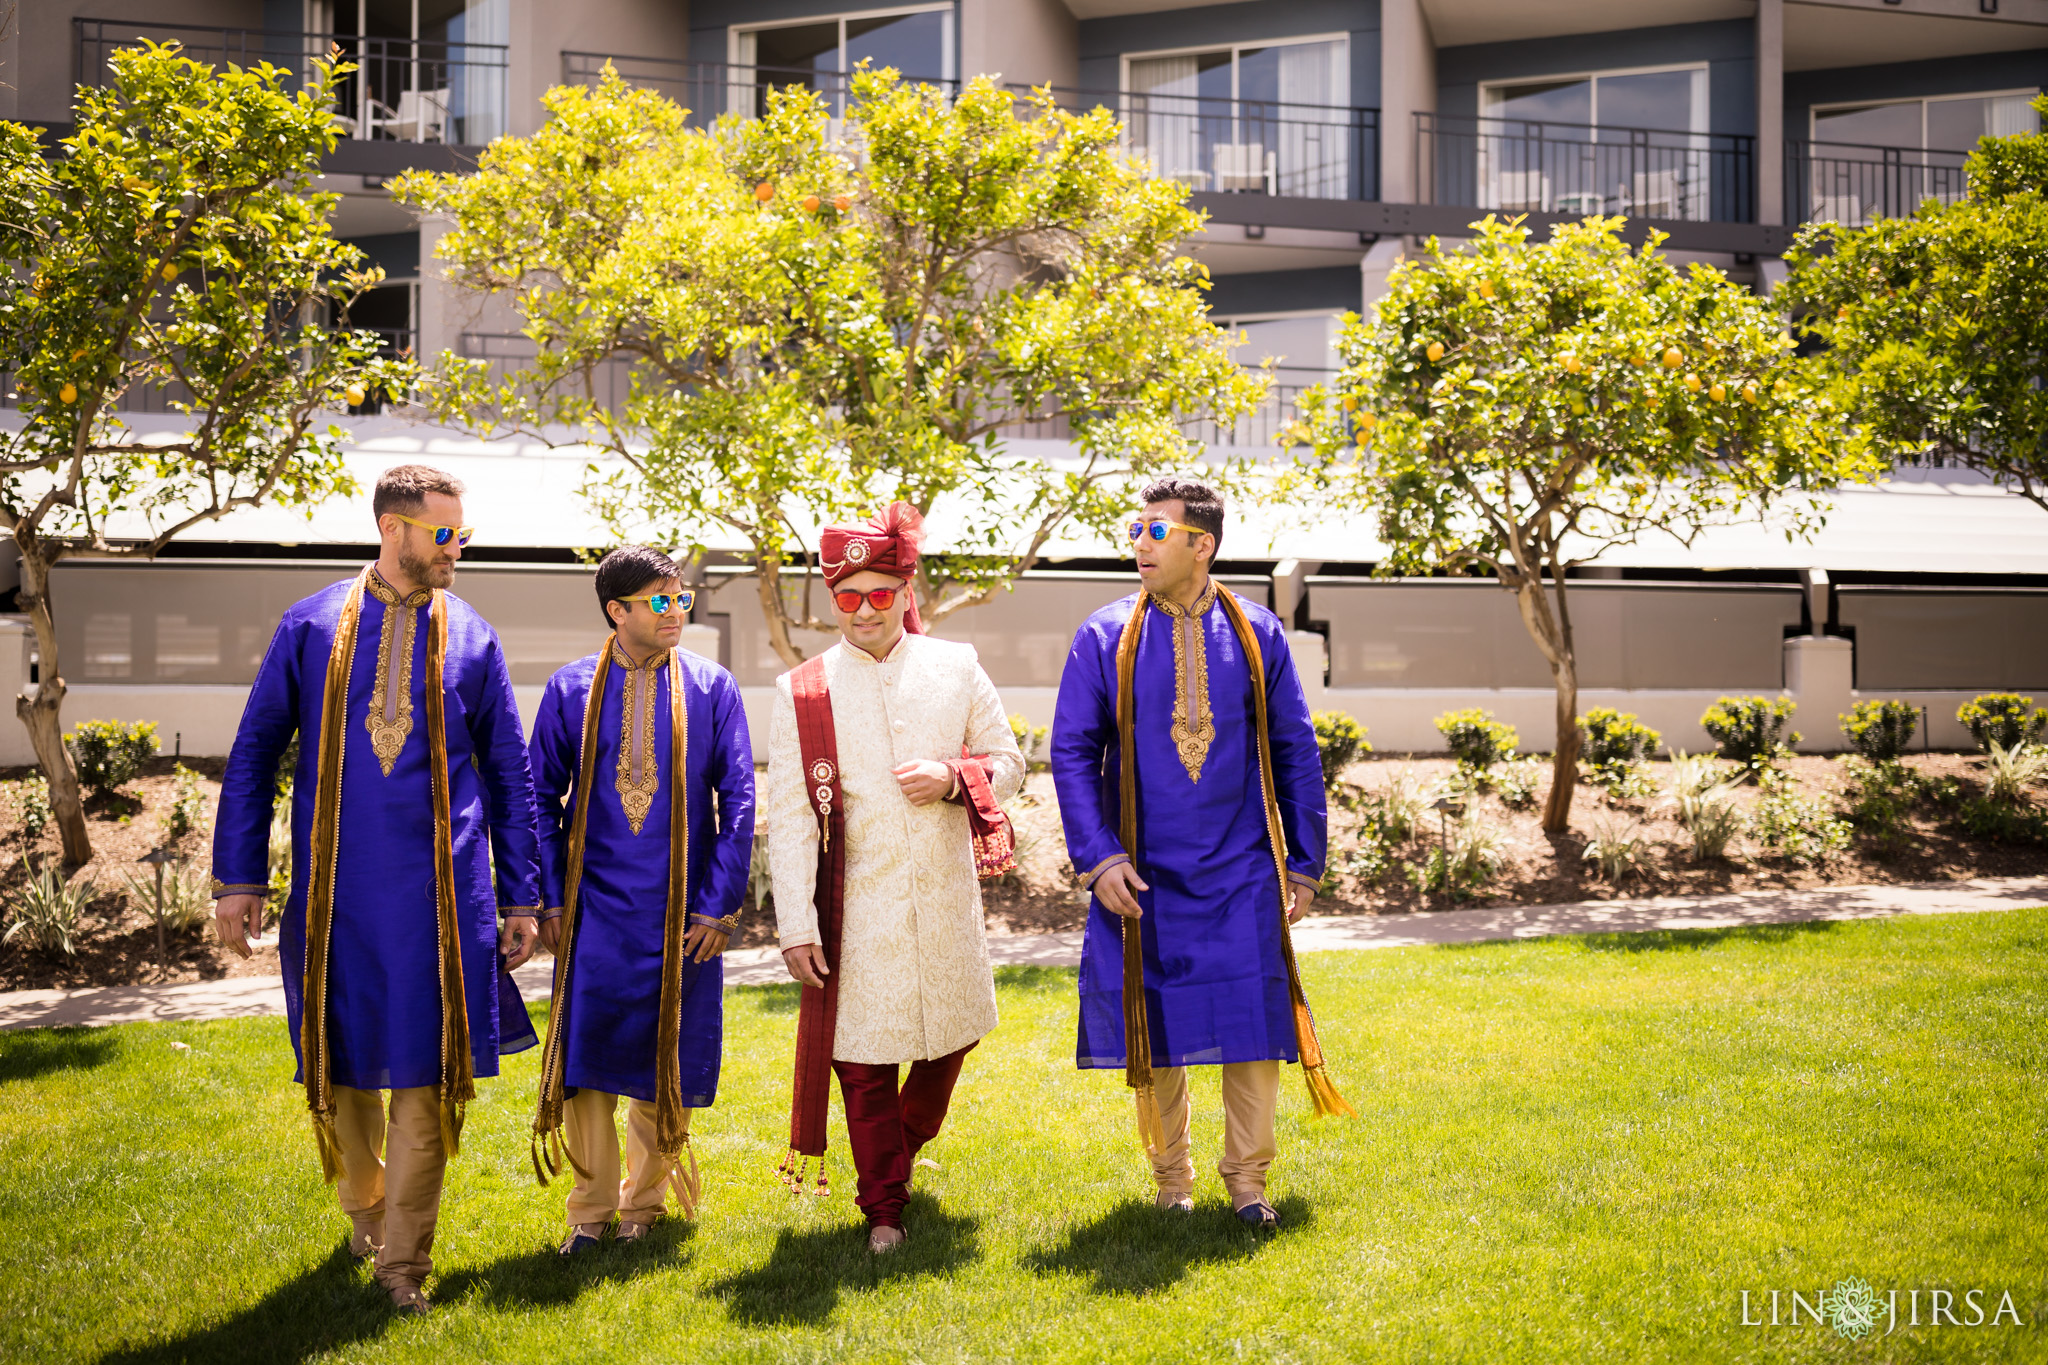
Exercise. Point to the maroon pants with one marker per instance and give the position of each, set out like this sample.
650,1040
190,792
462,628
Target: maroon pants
887,1128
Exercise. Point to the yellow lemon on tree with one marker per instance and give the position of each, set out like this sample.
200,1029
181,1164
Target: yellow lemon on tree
842,202
1571,362
1749,391
68,394
1435,350
1639,359
1350,402
1367,421
170,271
764,191
355,393
1692,383
1717,393
1486,289
1672,359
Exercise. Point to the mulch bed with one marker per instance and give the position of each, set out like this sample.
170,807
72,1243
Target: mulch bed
118,943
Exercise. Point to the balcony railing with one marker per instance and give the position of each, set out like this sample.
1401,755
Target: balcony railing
711,89
404,89
1225,146
1258,429
1527,166
1854,184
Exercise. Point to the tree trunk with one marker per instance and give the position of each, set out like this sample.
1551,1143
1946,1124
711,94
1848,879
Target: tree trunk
1564,769
768,582
40,712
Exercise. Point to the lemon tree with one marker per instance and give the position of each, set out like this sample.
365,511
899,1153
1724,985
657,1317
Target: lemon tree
812,316
169,254
1934,323
1519,409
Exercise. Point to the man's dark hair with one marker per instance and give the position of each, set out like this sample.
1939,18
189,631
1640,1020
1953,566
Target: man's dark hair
627,570
404,488
1201,505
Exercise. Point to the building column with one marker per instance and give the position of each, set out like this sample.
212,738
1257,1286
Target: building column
1770,111
1407,87
1820,673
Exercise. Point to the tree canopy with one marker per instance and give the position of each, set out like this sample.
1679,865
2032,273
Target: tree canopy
781,320
1937,324
1519,409
170,252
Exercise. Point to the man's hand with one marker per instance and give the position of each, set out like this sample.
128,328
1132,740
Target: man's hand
703,942
1304,897
924,780
1118,887
806,963
236,920
551,933
518,939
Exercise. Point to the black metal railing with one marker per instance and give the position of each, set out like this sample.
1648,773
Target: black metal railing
404,89
1258,429
1529,166
1242,146
1855,184
711,89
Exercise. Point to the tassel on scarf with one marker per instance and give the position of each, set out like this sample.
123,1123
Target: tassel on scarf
793,1170
1323,1093
329,1144
452,1114
687,1183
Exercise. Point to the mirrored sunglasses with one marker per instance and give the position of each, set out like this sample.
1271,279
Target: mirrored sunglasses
881,599
661,603
1158,530
442,534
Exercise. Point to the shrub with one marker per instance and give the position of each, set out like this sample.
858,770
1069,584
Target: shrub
1339,740
45,910
110,752
1716,822
188,896
1472,860
1881,730
280,850
2002,718
31,807
1368,861
1797,827
1619,849
1476,739
1878,800
1988,819
1515,782
2009,772
1615,739
188,805
1749,729
1030,740
1397,808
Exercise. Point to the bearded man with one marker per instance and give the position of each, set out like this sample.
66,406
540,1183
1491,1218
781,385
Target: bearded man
889,758
1193,803
411,792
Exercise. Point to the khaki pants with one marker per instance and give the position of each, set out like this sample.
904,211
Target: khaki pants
1251,1094
392,1167
589,1130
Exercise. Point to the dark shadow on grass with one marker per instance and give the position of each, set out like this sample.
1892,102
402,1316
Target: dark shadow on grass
26,1055
808,1271
1692,940
1136,1248
325,1308
543,1277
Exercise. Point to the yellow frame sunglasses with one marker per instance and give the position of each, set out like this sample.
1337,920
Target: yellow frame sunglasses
461,534
1158,527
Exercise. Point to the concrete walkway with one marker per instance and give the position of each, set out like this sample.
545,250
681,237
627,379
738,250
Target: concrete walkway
241,997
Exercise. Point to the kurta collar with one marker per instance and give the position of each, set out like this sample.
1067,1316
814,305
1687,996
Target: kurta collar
388,595
1173,608
855,651
624,660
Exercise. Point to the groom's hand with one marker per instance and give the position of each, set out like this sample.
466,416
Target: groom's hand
518,939
1304,897
1118,887
806,963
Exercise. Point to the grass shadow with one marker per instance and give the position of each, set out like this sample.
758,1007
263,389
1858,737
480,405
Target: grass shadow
808,1270
32,1053
1692,940
1139,1249
543,1277
328,1307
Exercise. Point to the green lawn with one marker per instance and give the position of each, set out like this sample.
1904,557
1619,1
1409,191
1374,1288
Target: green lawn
1573,1149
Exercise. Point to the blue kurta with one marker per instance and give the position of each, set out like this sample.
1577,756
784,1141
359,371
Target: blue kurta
384,979
614,989
1215,979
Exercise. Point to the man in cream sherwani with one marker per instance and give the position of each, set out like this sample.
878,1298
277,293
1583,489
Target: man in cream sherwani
921,739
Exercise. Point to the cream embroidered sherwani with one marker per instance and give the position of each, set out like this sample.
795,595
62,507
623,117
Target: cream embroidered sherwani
914,974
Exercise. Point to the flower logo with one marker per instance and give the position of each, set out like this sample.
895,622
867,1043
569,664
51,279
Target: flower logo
1851,1308
857,552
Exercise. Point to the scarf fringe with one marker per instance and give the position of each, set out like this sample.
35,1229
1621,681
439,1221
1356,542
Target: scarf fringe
453,1111
1151,1128
688,1184
328,1142
1323,1093
795,1165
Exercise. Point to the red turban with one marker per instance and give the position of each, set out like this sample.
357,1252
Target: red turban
886,545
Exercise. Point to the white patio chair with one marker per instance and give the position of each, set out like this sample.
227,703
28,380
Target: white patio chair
421,116
1243,166
1520,191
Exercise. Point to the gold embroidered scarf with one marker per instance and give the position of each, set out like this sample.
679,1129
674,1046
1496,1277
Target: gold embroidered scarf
671,1118
458,1082
1137,1030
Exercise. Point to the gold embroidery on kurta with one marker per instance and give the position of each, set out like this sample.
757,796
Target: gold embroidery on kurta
637,779
390,718
1193,726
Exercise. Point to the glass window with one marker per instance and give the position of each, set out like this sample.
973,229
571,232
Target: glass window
1664,101
1263,118
820,53
1651,158
1950,124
